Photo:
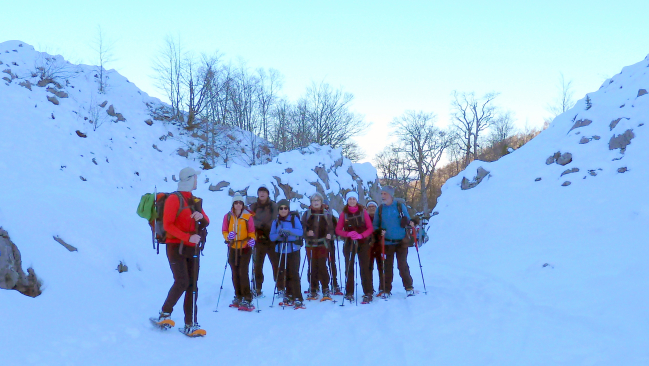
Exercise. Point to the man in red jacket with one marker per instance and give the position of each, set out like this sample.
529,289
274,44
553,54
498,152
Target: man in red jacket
182,250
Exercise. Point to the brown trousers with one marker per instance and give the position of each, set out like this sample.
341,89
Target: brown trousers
265,248
375,256
402,263
363,253
185,270
318,271
239,261
290,271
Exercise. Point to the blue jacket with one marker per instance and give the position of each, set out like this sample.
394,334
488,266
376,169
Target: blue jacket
279,224
391,222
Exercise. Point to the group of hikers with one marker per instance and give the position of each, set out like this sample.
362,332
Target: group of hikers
372,236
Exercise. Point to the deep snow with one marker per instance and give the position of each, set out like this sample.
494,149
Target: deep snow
492,300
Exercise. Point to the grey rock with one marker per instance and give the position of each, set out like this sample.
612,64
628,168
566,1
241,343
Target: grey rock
564,159
53,100
481,173
67,246
121,267
351,172
288,170
596,137
584,140
537,179
120,117
622,169
156,147
614,123
182,152
149,122
581,123
553,159
12,276
566,183
27,84
323,175
102,105
621,141
111,111
642,92
592,172
58,93
6,79
569,171
219,186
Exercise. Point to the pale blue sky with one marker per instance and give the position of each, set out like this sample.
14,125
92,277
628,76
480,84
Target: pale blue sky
392,55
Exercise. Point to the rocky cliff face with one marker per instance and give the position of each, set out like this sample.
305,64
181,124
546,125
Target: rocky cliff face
296,175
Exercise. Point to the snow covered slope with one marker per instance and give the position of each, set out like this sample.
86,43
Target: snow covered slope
518,271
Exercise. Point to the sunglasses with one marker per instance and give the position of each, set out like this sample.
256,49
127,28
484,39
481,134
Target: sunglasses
283,208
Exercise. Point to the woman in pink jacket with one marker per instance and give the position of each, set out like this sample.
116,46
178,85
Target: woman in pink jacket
355,226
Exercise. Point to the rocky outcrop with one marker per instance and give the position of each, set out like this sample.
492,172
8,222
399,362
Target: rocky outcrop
12,276
559,158
621,141
219,186
466,184
581,123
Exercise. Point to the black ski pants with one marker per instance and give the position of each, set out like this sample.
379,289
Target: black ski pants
239,261
375,256
290,271
185,271
350,250
401,252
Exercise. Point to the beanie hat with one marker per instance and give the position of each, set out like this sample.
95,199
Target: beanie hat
317,195
284,202
187,178
351,194
372,203
237,197
388,189
263,188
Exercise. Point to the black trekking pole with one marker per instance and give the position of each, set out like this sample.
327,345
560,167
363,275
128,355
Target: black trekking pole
254,277
222,279
385,297
421,269
349,265
340,273
331,277
195,284
155,200
279,266
356,270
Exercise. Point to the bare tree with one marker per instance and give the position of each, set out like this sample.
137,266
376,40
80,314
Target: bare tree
502,127
393,170
168,67
564,100
104,51
471,116
423,145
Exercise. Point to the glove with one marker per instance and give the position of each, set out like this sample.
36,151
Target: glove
231,235
284,233
251,243
355,236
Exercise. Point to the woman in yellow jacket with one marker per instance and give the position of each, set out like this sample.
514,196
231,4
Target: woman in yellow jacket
239,233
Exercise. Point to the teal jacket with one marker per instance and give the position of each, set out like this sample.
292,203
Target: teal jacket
391,222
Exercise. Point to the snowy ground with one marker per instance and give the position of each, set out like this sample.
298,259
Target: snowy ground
492,300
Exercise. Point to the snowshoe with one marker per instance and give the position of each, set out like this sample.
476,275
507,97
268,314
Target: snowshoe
193,331
163,321
299,305
312,296
326,296
337,291
246,306
286,302
367,299
235,303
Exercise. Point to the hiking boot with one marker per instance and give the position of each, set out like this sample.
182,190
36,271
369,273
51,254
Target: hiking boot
367,299
410,292
235,302
246,306
193,330
312,296
385,295
256,294
326,293
281,293
349,297
163,320
337,290
288,301
299,304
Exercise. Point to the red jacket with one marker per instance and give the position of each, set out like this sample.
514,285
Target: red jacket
182,227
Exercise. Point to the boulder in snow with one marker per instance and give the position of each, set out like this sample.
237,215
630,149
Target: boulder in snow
621,141
466,184
12,276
